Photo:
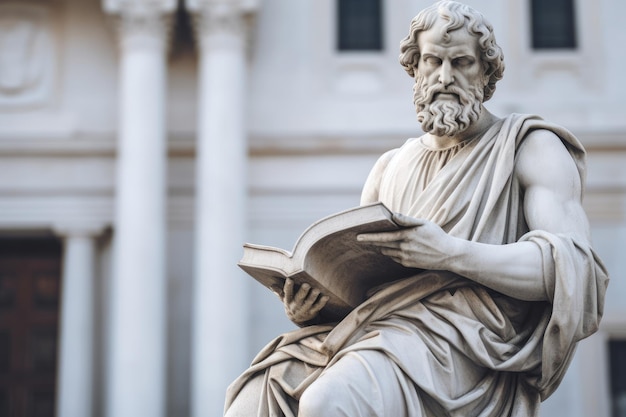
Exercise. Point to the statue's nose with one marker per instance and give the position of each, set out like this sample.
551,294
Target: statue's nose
446,77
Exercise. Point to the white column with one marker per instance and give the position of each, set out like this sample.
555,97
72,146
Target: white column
219,344
75,377
137,349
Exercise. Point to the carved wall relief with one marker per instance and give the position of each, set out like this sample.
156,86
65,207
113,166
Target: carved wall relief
27,52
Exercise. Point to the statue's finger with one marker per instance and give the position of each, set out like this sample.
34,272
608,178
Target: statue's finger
319,304
288,290
312,297
378,237
302,293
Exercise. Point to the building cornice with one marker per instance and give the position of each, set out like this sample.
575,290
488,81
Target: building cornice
183,144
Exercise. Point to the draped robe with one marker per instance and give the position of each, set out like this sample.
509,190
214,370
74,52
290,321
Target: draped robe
458,348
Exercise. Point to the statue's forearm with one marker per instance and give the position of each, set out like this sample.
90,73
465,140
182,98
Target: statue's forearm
515,269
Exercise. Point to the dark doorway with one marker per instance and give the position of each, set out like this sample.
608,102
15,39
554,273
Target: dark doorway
30,279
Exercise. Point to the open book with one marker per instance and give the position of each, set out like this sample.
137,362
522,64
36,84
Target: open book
328,256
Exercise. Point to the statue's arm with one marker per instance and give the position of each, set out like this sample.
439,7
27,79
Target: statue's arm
552,194
552,202
552,186
371,189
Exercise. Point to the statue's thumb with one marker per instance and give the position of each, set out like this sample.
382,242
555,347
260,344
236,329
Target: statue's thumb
403,220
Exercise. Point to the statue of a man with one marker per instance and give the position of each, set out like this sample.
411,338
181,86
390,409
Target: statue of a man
495,219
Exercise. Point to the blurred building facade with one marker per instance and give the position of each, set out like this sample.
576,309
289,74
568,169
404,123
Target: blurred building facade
143,141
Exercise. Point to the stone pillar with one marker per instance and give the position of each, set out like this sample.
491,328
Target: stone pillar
137,348
219,340
75,376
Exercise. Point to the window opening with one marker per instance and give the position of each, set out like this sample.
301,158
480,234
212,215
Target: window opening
617,358
553,24
359,25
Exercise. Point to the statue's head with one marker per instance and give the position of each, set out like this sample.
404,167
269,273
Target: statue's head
451,52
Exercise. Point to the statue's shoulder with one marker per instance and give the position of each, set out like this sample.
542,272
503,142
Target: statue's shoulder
384,160
532,127
371,188
388,156
408,146
543,158
539,144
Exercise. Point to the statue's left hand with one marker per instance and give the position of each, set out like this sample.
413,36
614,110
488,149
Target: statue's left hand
303,305
422,244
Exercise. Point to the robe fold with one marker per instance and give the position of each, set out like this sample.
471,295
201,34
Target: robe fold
456,347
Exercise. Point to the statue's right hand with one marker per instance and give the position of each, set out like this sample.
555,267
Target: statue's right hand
304,304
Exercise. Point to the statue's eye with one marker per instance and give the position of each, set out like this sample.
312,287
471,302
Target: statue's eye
462,61
432,60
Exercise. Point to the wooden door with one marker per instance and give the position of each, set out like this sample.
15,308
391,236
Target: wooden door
30,276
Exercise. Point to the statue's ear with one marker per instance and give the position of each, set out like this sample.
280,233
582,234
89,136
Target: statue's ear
486,74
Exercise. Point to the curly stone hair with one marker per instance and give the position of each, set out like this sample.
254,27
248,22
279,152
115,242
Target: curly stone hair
457,16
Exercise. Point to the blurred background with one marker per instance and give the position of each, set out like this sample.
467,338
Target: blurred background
143,141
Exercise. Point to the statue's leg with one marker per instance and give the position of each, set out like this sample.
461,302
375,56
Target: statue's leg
362,383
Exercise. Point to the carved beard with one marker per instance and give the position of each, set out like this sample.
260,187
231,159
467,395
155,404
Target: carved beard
446,118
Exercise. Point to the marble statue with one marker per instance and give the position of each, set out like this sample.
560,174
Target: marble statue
511,283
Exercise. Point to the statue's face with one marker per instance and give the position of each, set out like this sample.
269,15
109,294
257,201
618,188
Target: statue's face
455,62
449,80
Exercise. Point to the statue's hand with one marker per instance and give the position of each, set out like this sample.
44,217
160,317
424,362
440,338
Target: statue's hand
422,244
303,305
